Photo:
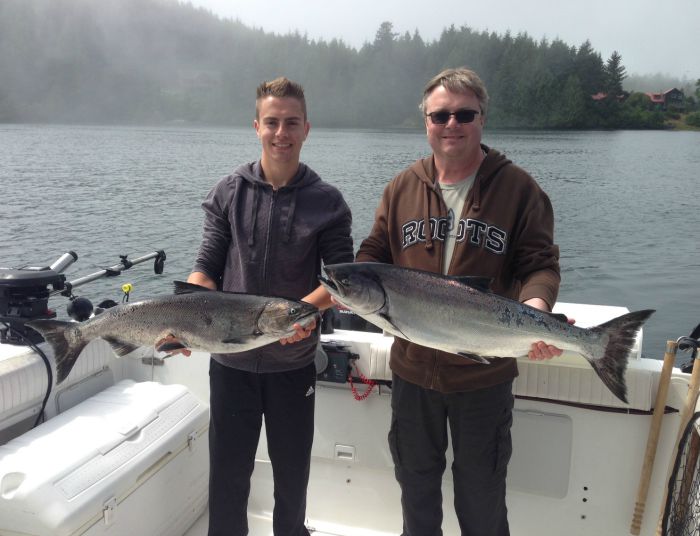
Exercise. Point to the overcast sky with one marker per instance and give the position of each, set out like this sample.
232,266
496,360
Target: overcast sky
652,36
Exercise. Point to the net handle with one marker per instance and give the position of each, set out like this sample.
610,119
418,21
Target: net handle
653,438
688,411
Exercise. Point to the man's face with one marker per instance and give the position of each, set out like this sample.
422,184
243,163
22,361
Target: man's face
282,128
453,140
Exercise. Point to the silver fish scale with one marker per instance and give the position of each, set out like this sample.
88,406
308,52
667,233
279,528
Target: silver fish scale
448,314
200,320
454,312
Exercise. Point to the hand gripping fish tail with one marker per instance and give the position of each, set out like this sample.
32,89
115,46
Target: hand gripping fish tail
621,333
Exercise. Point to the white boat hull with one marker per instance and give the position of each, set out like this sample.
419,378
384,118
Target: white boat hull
575,470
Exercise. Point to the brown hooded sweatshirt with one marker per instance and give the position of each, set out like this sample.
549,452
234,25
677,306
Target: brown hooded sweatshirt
505,232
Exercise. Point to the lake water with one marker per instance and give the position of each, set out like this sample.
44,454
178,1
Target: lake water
626,203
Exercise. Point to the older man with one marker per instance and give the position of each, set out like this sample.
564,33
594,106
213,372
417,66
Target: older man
465,210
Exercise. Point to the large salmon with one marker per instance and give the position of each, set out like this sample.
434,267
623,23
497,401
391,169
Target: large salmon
199,318
459,315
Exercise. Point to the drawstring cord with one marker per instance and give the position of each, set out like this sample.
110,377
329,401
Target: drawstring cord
426,219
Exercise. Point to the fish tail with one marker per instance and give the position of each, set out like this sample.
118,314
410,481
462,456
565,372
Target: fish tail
65,351
622,334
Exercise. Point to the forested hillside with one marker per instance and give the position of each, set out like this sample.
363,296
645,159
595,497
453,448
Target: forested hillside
152,61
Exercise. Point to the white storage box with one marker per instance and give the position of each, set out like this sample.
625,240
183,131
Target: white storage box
132,460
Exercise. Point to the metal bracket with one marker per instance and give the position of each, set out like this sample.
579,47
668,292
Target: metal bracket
153,361
109,511
191,439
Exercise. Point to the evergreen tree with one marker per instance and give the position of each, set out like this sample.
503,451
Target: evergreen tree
614,75
385,36
589,68
571,109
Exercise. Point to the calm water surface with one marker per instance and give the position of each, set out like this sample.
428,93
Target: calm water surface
626,203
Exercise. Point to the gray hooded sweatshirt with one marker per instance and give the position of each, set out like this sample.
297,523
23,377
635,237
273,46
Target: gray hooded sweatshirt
272,242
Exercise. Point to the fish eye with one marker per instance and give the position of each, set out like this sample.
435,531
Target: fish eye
293,310
345,281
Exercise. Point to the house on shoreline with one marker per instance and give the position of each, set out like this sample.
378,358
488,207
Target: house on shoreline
671,99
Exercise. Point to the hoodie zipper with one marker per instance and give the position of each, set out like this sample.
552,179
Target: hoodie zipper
268,239
263,290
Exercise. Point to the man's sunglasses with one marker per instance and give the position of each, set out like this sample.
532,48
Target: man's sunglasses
461,116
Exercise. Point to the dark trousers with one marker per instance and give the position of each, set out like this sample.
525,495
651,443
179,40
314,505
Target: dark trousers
238,402
479,423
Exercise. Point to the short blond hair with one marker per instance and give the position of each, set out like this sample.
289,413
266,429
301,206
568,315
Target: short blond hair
458,81
279,87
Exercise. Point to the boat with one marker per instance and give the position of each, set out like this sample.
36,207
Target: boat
121,447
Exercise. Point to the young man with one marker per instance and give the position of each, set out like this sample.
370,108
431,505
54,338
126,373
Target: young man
267,227
465,210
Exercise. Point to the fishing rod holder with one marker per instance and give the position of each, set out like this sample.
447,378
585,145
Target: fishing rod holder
25,292
115,270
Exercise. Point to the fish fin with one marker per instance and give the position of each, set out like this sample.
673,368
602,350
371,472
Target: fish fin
558,316
121,348
695,334
182,287
234,341
65,353
170,346
388,321
477,282
474,357
622,333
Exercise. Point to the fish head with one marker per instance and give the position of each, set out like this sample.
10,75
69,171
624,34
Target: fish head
355,286
279,316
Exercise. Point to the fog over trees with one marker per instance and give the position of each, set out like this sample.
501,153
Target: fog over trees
151,61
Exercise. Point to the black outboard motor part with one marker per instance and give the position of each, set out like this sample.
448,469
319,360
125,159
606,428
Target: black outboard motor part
24,295
346,319
339,359
25,292
104,305
79,308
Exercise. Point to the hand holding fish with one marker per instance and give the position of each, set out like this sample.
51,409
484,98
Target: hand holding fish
319,298
540,350
172,345
302,332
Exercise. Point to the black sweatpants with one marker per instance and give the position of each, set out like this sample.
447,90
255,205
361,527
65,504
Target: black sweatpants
238,401
479,423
